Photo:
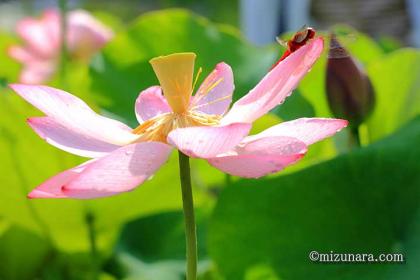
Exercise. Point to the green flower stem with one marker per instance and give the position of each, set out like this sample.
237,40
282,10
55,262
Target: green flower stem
188,204
354,141
90,223
63,51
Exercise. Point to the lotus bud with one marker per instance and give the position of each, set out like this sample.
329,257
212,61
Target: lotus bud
349,90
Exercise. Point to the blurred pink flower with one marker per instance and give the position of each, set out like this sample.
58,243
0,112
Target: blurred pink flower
40,53
123,158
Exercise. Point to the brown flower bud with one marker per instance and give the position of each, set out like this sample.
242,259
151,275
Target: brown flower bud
349,90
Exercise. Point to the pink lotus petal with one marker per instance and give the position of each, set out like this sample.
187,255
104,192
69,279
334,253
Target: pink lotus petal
69,140
308,130
73,113
208,141
51,21
276,85
36,72
35,34
39,62
32,76
215,93
52,188
253,166
21,54
42,42
150,104
254,158
121,171
86,35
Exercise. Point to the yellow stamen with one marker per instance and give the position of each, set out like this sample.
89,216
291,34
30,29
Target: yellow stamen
196,77
158,128
175,73
206,88
212,86
211,102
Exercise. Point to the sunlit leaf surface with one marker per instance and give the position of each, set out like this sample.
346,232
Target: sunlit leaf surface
366,201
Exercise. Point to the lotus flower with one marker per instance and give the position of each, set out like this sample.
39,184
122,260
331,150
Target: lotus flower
40,53
200,126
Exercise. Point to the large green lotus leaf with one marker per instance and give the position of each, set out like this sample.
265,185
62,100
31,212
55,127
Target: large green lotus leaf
74,266
397,86
168,244
22,253
122,70
160,270
153,247
26,161
365,202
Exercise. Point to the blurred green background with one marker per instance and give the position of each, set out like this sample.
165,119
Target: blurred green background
338,198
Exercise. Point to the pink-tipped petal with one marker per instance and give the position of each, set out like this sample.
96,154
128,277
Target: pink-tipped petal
253,166
86,35
150,104
276,85
215,93
121,171
255,158
73,113
208,141
69,140
52,188
308,130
